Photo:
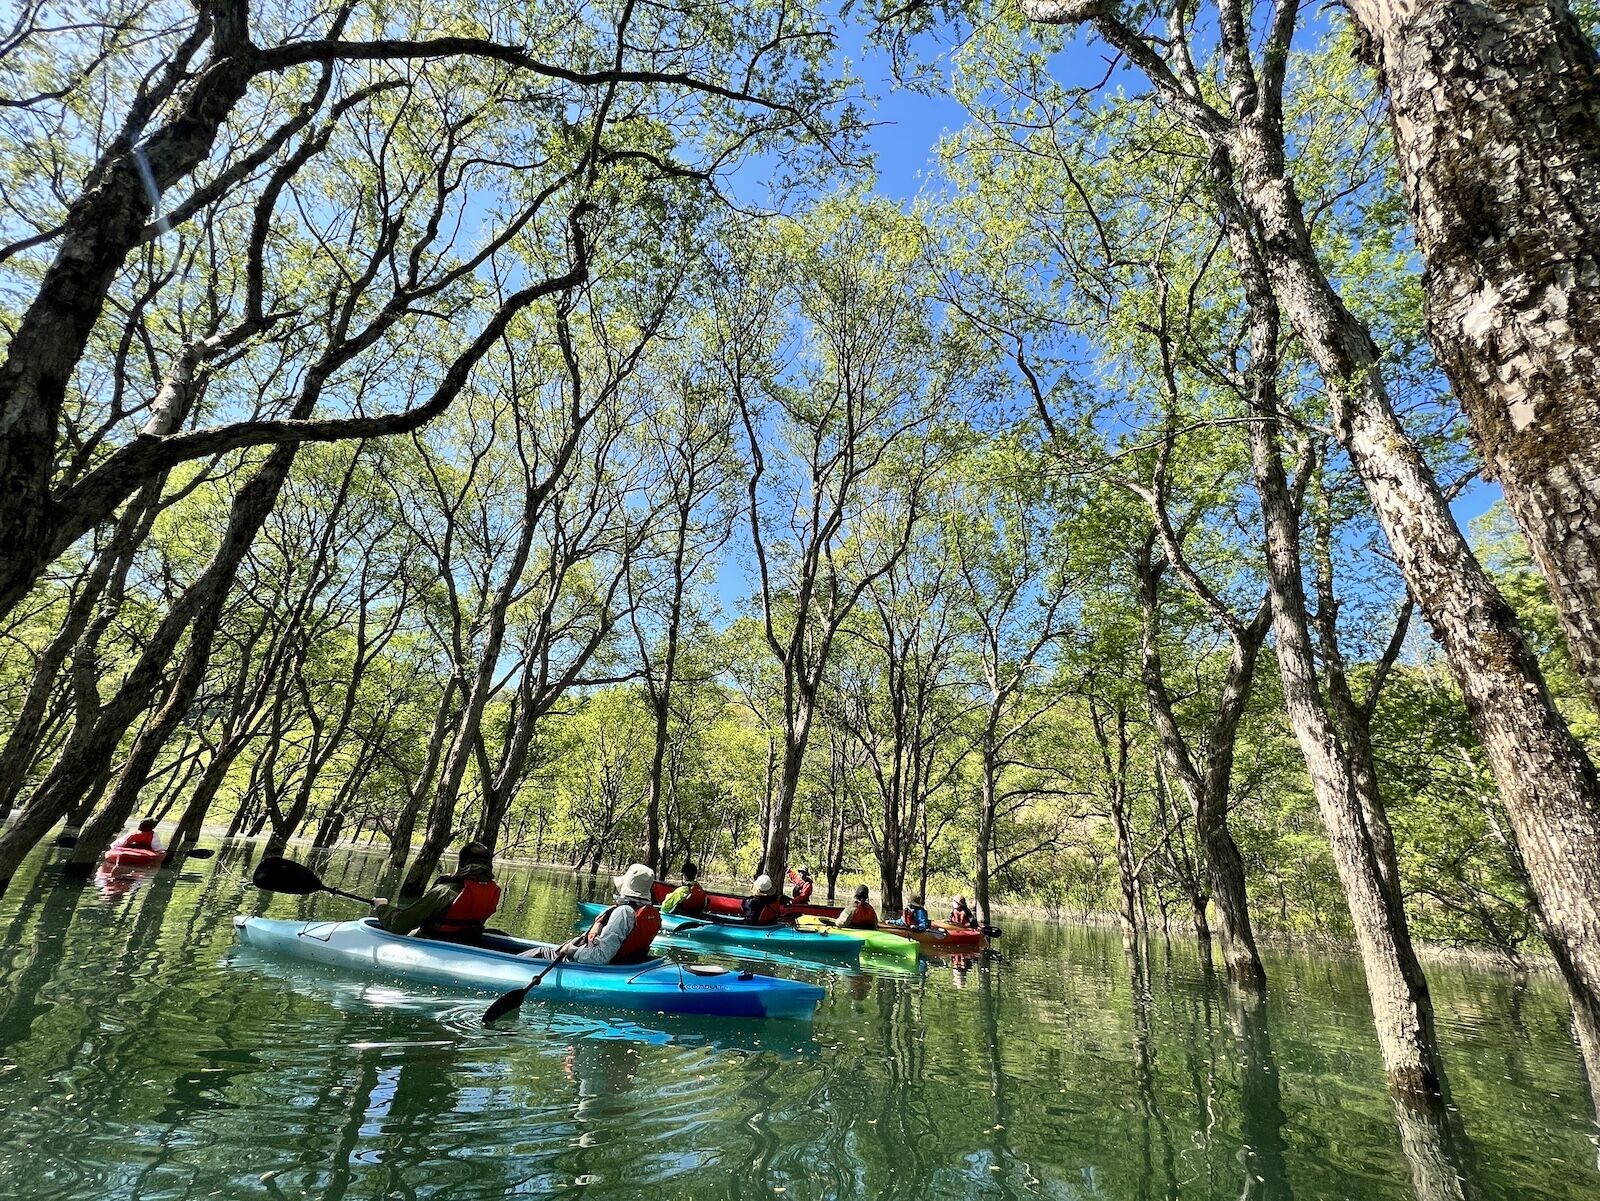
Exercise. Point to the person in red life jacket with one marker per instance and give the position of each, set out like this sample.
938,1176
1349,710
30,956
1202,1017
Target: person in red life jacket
688,898
144,838
456,908
859,914
961,915
764,907
621,934
802,885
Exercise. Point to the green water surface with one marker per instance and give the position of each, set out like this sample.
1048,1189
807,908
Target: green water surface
144,1055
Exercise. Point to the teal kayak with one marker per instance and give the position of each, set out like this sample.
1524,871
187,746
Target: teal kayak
721,932
655,985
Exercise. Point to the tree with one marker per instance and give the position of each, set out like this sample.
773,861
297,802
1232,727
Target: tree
1495,115
847,413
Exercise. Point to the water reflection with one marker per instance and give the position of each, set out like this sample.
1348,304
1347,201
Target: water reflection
1262,1153
143,1056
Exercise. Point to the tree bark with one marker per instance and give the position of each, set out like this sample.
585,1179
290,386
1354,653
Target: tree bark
1496,116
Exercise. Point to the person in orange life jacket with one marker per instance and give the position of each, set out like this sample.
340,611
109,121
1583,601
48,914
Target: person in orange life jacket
144,838
764,907
961,915
859,914
802,885
621,934
456,908
688,898
914,916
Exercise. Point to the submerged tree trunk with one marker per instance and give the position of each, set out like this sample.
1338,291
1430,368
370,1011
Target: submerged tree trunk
1208,786
1496,118
1401,1006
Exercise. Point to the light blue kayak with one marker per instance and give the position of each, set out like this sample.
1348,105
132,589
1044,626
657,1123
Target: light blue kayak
655,985
717,932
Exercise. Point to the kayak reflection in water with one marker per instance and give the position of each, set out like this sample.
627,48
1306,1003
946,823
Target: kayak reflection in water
764,907
688,898
456,908
621,934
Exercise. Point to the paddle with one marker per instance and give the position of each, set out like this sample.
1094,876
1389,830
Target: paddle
274,874
512,1001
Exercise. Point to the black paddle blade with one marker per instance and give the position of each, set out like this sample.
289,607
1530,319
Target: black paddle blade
509,1003
200,853
285,875
66,840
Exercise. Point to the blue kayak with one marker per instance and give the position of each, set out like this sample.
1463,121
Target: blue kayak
655,985
724,932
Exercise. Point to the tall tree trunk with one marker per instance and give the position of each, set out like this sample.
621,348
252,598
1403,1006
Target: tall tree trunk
1401,1006
1546,780
1208,788
1496,116
775,846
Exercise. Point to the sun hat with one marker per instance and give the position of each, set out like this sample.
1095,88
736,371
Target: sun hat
763,885
635,882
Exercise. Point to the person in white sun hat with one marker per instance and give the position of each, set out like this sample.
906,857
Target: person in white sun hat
623,932
764,906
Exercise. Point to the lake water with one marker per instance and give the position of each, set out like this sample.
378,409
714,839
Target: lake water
143,1055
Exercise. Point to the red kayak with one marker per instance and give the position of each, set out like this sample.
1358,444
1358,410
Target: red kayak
133,856
728,905
940,934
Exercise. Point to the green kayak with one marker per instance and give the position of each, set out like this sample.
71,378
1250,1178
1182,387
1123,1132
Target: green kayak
873,942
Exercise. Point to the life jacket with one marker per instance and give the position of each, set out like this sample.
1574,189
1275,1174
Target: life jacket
140,840
964,918
686,898
865,916
473,906
760,910
914,917
636,947
802,888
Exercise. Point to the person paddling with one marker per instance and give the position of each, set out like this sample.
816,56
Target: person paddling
961,915
914,916
622,933
456,908
802,885
145,838
688,898
859,914
764,907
